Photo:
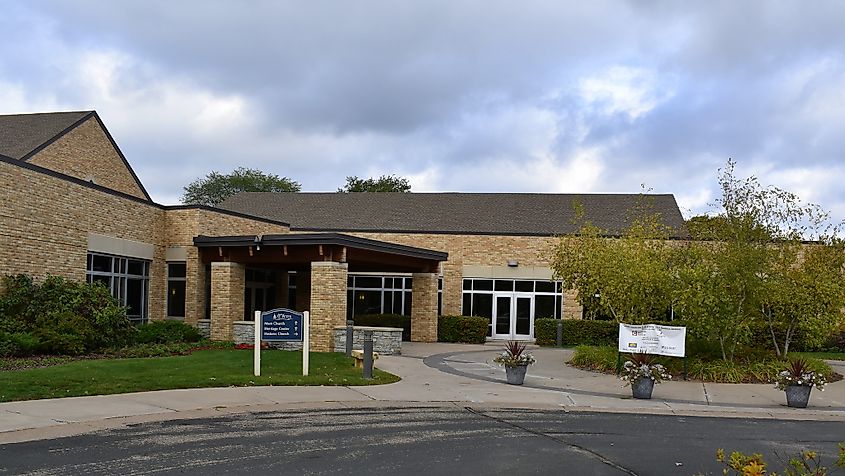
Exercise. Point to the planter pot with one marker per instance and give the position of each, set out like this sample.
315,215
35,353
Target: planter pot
797,396
516,375
642,388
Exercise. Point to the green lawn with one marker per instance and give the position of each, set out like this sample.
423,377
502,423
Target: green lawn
208,368
822,355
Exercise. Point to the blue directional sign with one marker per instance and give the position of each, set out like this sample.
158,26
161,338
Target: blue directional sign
281,325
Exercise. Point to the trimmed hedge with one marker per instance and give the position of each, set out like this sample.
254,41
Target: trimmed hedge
464,329
577,332
386,320
166,332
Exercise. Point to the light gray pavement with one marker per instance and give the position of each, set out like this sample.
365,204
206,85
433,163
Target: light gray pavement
432,375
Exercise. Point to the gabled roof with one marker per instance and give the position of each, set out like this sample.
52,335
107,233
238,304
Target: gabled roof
24,135
535,214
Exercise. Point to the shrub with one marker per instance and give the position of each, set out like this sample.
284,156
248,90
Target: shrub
597,358
63,316
545,331
386,320
464,329
166,332
20,344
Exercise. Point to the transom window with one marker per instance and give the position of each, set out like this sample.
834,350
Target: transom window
126,278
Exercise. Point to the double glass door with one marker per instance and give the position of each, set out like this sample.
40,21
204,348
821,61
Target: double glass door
512,316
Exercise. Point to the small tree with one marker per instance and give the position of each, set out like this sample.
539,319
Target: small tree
630,276
217,187
385,183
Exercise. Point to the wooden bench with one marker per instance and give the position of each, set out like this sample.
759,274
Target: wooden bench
358,355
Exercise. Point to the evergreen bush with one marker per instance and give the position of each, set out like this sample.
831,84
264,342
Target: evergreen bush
464,329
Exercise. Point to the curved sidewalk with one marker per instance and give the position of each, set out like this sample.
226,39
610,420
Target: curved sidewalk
432,374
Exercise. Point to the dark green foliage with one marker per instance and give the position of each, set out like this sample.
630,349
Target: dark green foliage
545,331
386,320
217,187
166,332
59,316
577,332
464,329
385,183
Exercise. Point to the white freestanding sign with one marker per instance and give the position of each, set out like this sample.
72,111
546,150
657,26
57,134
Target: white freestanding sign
653,339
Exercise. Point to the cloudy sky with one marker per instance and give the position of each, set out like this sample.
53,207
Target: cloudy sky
465,96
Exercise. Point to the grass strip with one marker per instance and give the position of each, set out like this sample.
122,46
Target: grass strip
201,369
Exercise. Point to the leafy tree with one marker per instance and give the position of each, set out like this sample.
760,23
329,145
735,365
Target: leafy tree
746,269
628,277
217,187
385,183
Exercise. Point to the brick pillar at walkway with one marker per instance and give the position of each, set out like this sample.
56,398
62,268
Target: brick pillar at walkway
328,302
424,307
227,298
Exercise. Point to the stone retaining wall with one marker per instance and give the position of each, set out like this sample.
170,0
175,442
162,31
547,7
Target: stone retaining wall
386,340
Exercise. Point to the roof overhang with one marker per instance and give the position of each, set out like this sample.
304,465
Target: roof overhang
298,250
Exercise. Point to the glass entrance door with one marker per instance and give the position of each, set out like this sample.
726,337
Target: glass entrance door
502,316
512,316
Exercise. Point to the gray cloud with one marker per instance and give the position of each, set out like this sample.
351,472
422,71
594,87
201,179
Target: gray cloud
587,96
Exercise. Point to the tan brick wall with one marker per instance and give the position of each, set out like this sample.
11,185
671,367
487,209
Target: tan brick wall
227,298
182,225
45,221
424,307
481,250
328,303
86,153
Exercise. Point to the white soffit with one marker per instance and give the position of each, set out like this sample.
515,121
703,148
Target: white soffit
120,246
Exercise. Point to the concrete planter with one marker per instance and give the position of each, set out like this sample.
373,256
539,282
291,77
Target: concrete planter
642,388
516,375
798,396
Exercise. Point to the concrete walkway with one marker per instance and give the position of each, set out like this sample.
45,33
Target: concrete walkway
432,374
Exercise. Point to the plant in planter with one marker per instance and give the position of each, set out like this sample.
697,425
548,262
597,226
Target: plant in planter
516,361
641,372
797,380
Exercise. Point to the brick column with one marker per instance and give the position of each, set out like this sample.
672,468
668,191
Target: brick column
194,288
424,307
571,308
328,302
227,298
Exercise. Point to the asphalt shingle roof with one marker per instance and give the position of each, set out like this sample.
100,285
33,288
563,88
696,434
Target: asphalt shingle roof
455,213
20,134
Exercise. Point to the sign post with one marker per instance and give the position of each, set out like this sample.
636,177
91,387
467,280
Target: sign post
281,325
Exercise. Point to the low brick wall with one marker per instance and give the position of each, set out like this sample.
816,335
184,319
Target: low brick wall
386,340
204,326
244,333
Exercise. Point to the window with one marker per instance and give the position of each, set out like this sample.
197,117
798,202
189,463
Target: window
478,296
126,278
176,273
369,294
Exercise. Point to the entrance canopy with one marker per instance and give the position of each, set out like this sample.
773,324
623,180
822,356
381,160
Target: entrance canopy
298,250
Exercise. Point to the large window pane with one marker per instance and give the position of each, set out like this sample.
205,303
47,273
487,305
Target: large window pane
544,306
367,302
101,264
134,298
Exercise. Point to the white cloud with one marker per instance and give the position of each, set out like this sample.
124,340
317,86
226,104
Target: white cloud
631,91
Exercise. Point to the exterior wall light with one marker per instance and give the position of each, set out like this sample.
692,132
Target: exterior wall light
512,263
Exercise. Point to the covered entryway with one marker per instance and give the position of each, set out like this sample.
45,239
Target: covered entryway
322,262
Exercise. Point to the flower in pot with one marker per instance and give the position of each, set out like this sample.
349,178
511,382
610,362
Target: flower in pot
797,380
516,361
641,372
